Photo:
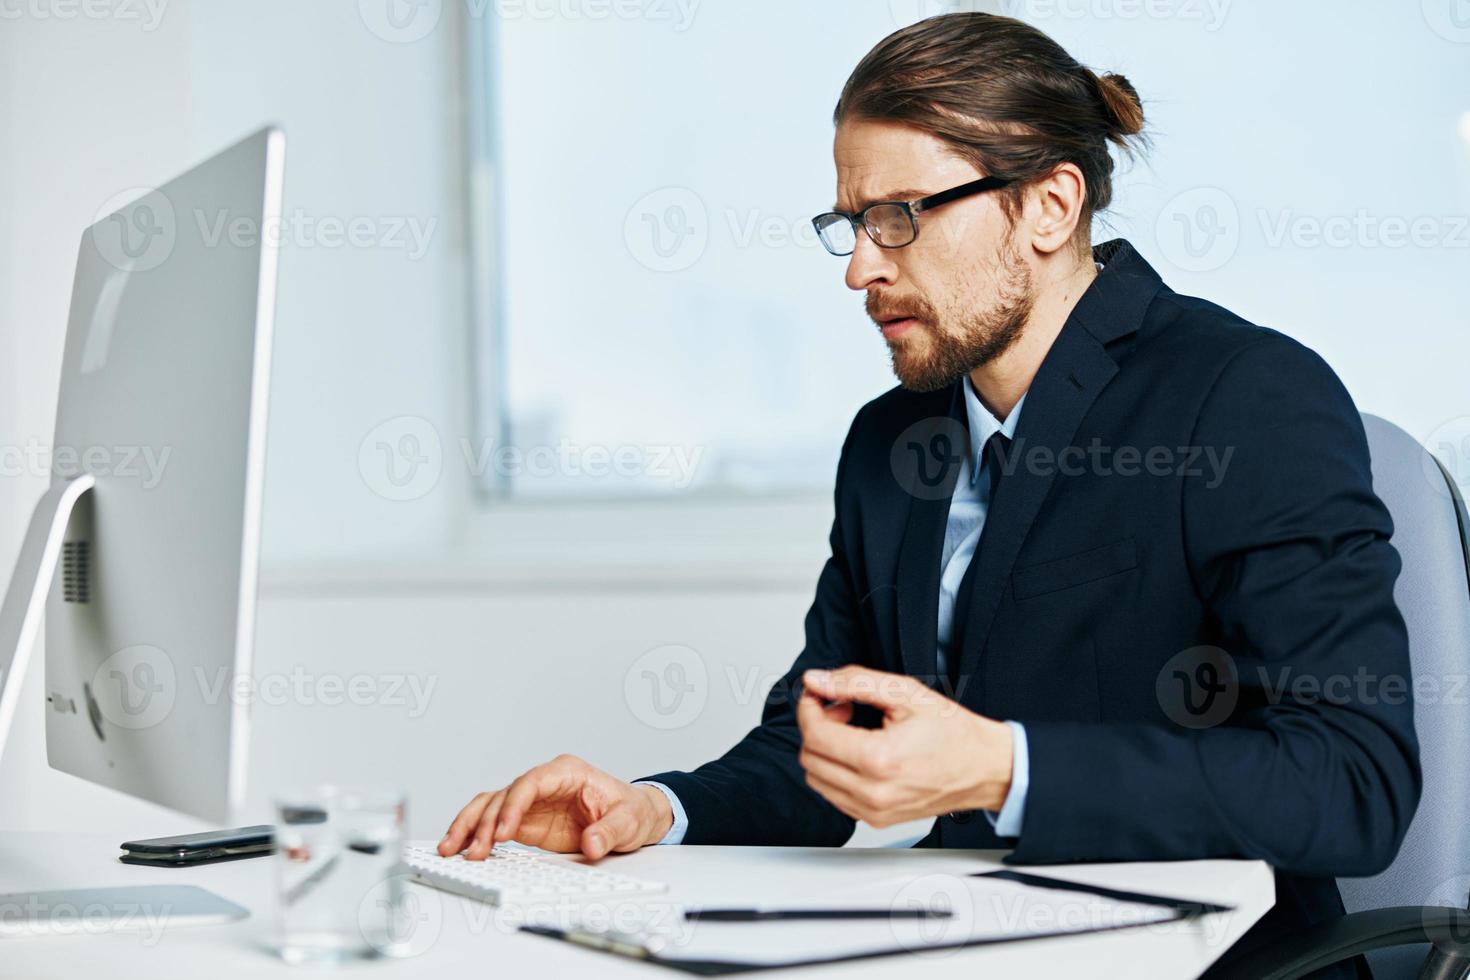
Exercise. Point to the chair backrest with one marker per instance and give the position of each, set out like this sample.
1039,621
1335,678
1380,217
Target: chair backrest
1433,593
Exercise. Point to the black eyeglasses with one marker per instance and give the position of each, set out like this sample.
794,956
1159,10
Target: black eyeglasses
890,224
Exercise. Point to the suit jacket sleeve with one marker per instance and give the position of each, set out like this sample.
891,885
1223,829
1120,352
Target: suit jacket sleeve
756,793
1316,770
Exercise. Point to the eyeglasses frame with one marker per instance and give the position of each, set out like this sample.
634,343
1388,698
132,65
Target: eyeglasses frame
910,208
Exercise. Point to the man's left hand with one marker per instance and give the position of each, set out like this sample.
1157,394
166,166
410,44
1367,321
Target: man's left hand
932,755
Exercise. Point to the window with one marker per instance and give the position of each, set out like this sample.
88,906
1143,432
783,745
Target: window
666,321
660,287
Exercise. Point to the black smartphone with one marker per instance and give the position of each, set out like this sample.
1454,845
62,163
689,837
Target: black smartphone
205,848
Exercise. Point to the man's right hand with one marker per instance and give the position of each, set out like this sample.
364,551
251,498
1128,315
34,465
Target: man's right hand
564,805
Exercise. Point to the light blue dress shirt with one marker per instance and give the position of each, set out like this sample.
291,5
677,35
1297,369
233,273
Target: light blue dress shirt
967,510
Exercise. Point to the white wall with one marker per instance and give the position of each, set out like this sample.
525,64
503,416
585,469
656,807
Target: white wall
89,108
513,679
363,334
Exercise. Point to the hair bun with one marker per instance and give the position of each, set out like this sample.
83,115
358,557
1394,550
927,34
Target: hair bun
1124,109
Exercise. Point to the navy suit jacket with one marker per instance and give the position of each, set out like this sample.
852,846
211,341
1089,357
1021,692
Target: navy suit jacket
1180,479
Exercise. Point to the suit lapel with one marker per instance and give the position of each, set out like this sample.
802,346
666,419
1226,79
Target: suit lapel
1073,374
926,461
1075,370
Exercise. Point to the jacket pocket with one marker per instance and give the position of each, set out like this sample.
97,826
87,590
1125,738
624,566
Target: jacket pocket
1078,569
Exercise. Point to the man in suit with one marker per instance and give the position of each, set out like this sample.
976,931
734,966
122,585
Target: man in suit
1108,579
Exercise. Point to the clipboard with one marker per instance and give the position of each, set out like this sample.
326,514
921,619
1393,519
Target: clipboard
730,948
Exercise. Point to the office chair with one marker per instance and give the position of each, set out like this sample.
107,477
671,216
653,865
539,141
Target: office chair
1411,920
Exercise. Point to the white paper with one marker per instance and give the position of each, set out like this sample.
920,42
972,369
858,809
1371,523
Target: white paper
981,908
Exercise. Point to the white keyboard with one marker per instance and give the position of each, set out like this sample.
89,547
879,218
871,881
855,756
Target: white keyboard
517,876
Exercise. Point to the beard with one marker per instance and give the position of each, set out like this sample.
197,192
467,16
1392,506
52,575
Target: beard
975,338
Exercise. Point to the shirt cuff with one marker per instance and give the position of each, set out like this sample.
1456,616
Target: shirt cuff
1012,814
681,819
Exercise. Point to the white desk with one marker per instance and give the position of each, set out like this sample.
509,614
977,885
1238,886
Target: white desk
471,943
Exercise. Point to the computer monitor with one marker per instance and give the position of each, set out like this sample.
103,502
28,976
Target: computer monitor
153,515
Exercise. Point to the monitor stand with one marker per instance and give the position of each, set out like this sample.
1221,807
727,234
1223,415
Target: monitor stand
88,910
25,599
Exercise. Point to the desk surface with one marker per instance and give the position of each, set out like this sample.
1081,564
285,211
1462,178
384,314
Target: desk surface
467,938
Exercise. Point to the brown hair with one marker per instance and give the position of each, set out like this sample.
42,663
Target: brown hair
1008,98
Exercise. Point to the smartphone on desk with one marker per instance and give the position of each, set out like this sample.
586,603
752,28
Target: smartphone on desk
190,849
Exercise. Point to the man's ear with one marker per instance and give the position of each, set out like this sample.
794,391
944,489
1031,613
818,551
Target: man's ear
1057,199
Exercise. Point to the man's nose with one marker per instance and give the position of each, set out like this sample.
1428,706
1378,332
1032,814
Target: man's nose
869,265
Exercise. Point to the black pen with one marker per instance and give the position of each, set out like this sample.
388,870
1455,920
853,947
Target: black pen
779,915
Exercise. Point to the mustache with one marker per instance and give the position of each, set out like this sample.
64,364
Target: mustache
882,308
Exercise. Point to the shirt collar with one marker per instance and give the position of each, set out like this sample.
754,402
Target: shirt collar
983,425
